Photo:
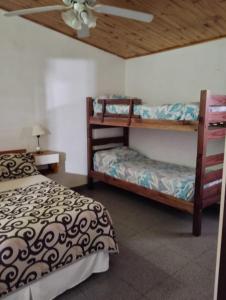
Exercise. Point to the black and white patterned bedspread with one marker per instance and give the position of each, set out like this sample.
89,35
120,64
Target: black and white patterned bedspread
46,226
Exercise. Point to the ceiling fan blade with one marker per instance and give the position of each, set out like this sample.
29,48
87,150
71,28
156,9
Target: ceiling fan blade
36,10
125,13
84,32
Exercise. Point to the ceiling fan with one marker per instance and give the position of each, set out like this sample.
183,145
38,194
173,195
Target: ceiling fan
78,14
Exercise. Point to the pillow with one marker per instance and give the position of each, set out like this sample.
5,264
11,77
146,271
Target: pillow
115,155
14,166
122,154
97,107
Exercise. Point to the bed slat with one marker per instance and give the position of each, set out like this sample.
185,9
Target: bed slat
211,200
105,141
119,101
214,160
217,117
213,176
215,134
103,127
218,100
109,115
112,122
212,191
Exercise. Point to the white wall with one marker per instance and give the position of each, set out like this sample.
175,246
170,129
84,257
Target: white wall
175,76
45,77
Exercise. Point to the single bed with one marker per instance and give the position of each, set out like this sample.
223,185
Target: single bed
175,111
129,165
51,238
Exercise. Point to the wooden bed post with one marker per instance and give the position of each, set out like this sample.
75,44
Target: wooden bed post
89,113
126,136
200,163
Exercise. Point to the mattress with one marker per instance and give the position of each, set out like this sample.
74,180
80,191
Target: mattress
176,111
129,165
45,227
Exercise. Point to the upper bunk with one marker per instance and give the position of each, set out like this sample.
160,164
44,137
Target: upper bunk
127,113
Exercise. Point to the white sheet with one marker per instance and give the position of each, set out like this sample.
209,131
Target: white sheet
22,182
60,281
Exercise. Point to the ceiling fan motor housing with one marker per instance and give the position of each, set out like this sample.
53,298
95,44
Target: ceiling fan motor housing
72,2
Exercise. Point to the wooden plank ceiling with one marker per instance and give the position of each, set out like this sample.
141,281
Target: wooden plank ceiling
177,23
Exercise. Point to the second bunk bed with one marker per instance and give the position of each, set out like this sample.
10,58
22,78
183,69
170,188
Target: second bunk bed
178,186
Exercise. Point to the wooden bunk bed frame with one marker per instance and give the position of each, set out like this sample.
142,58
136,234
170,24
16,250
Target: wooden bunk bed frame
211,126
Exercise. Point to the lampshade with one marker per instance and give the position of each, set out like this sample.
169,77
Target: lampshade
38,130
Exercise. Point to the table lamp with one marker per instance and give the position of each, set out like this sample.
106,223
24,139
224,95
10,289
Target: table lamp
37,131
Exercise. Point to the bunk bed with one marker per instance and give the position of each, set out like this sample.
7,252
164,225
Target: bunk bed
210,125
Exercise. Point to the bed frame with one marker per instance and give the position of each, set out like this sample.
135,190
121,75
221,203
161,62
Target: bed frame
13,151
211,126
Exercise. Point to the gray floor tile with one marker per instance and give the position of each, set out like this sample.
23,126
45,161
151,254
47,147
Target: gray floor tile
207,260
109,287
72,294
173,289
136,270
144,242
123,231
167,260
189,245
197,278
159,258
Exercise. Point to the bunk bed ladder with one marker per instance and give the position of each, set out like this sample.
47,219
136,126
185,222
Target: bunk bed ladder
211,127
89,112
105,143
200,163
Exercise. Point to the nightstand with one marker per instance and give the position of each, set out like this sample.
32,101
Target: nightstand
47,161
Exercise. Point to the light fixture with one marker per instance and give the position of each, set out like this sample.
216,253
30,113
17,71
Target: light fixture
71,18
37,131
85,15
91,21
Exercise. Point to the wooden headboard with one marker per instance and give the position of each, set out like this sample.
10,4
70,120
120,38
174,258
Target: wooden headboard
14,151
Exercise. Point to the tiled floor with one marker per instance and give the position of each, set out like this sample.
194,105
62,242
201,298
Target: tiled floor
159,258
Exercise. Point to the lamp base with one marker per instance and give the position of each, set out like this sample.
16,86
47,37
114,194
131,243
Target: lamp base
38,150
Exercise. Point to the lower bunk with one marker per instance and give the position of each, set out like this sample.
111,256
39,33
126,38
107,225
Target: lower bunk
166,183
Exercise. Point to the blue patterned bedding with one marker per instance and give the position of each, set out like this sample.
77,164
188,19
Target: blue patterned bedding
176,111
128,164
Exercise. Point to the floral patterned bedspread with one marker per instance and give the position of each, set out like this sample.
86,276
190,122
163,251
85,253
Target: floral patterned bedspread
128,164
46,226
175,111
